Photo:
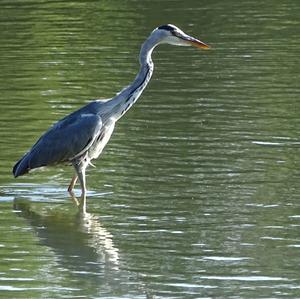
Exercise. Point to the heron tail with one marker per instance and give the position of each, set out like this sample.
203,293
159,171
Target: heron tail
21,167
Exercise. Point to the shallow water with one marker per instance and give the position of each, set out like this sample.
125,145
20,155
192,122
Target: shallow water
197,193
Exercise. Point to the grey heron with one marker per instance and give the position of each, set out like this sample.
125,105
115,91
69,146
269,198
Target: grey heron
81,136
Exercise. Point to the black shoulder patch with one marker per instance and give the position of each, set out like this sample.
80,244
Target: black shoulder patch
166,27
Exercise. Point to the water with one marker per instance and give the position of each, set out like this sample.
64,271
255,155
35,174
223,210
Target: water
197,193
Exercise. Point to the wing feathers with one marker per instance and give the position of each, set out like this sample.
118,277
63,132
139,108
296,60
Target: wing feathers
67,139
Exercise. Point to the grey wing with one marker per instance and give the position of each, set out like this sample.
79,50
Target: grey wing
64,141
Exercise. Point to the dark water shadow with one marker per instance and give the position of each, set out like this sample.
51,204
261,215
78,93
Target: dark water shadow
84,250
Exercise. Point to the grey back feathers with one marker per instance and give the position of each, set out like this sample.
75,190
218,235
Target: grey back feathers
63,142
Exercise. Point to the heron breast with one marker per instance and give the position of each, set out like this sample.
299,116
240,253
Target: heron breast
101,140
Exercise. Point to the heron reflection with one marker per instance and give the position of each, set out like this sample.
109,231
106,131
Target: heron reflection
83,254
79,240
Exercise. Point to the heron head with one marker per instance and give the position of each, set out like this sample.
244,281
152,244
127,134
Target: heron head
170,34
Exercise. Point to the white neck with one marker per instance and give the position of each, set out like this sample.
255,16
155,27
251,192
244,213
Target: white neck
123,101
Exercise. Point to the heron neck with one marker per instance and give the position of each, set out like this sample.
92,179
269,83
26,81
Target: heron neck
123,101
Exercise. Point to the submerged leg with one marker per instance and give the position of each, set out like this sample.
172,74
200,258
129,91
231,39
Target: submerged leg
73,182
80,170
81,177
70,190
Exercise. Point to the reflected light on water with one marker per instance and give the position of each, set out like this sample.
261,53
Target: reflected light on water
101,240
197,193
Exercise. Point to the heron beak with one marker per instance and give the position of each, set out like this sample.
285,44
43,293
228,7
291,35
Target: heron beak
196,42
191,41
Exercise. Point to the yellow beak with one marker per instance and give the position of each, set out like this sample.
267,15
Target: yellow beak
198,43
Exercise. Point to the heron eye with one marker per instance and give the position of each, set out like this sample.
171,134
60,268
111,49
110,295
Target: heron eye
175,33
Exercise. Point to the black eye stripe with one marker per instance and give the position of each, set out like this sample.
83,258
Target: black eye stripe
166,27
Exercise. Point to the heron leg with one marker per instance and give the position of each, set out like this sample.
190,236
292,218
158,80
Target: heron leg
80,170
70,190
73,182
